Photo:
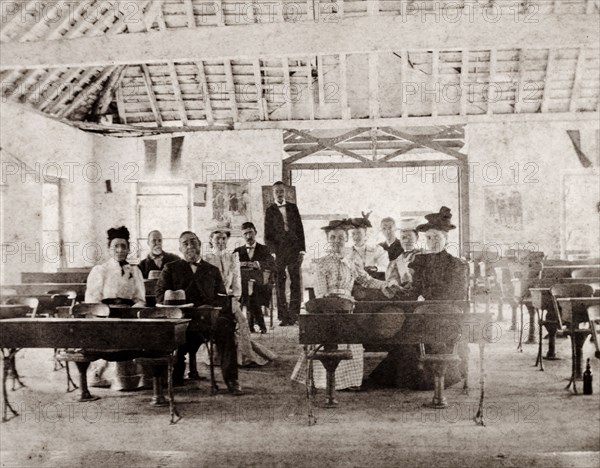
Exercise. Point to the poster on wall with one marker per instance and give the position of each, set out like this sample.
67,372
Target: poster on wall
503,213
267,196
231,202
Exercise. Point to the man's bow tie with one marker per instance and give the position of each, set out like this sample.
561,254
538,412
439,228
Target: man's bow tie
194,263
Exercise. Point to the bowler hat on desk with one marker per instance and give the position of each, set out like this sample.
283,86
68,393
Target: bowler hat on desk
175,298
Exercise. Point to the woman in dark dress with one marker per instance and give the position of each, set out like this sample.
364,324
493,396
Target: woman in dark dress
436,275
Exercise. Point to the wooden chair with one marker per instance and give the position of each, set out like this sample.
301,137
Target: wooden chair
553,320
329,355
594,319
8,311
31,302
157,367
83,310
585,273
438,358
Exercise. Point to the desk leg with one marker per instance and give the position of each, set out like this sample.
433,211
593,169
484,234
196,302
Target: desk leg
579,341
172,408
213,383
85,394
6,363
158,397
513,317
531,334
521,327
479,416
551,354
13,370
439,372
539,359
330,364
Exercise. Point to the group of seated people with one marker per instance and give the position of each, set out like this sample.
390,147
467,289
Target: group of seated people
214,278
194,280
411,274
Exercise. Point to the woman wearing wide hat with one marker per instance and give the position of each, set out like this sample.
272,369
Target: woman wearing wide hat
336,276
249,352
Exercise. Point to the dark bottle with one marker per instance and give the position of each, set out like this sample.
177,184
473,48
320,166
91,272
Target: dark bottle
587,380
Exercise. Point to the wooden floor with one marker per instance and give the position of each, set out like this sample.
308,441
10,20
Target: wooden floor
531,420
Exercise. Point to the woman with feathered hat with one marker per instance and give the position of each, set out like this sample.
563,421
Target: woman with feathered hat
336,276
435,275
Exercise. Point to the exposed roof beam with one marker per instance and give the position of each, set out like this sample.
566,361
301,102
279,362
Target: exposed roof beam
287,91
423,140
579,70
151,95
231,89
590,118
83,96
352,35
108,93
178,94
205,94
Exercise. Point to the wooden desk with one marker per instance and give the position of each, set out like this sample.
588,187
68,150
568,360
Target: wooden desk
98,338
573,311
372,307
330,330
564,271
36,289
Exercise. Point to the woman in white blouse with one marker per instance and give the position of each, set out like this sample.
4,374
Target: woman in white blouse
116,281
248,352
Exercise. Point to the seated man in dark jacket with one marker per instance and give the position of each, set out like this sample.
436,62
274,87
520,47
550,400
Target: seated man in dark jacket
203,285
255,258
157,258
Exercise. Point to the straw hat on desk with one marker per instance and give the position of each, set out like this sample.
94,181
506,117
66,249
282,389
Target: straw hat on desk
175,298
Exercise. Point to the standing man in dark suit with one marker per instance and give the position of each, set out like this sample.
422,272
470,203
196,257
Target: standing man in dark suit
203,285
256,257
284,235
391,244
157,258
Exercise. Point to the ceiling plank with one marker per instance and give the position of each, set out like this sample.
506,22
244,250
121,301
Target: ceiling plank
377,33
425,141
73,89
205,92
178,94
151,94
82,96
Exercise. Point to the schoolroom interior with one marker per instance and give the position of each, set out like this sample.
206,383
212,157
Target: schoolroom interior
300,233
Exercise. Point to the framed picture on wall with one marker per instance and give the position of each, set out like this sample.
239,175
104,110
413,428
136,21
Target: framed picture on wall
503,213
231,202
267,196
200,194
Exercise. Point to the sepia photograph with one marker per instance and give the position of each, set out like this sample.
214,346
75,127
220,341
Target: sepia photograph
300,233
